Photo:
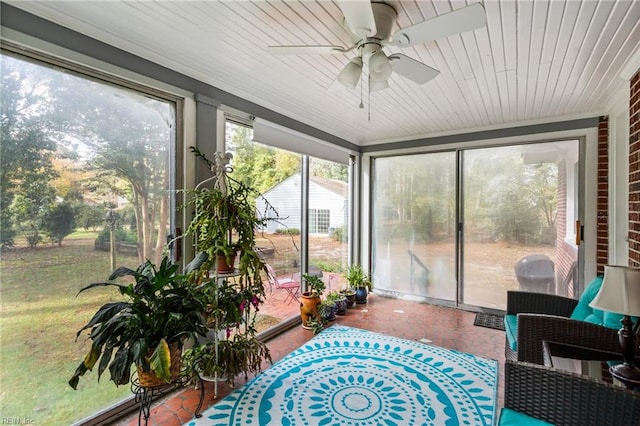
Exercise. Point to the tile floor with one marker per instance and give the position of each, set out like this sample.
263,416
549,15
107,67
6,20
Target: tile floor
446,327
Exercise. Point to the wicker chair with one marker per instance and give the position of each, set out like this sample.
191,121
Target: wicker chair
563,398
546,317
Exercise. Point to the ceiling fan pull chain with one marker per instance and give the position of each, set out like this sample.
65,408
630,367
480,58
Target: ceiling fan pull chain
361,85
369,99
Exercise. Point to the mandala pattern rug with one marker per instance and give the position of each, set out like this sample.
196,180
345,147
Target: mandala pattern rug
349,376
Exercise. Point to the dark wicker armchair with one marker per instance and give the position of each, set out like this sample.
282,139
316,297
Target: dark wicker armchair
546,317
563,398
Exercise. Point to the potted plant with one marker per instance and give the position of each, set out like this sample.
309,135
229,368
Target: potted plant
240,354
316,324
349,293
360,281
224,225
225,222
327,309
338,301
146,329
310,299
223,304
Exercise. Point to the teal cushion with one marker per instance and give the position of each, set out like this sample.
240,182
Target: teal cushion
584,312
511,329
612,320
509,417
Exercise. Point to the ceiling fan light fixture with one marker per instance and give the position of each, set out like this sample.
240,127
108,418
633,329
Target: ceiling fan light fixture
376,86
379,67
350,74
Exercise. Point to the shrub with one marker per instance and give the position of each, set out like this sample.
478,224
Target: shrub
340,234
122,236
290,231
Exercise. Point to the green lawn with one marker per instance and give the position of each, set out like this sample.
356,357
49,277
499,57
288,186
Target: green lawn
39,317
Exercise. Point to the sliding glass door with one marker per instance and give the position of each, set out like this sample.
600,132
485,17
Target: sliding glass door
520,204
466,226
414,225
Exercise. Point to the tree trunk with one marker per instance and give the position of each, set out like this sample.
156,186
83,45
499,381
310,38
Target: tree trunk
163,220
147,225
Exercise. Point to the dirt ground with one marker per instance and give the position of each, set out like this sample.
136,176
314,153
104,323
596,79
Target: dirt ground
488,266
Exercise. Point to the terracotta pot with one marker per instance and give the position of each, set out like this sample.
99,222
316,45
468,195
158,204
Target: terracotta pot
223,265
309,307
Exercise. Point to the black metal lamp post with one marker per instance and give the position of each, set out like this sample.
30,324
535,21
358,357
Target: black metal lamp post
110,218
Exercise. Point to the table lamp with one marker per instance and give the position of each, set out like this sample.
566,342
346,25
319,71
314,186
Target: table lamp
620,293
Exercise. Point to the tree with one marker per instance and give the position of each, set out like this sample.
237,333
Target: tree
128,135
257,165
90,217
26,151
59,221
328,169
59,121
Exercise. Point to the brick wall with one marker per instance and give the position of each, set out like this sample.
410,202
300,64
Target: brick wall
634,171
565,253
602,233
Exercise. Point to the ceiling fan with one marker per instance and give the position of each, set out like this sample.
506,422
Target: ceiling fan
371,24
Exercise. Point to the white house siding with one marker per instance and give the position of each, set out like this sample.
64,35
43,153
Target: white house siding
285,198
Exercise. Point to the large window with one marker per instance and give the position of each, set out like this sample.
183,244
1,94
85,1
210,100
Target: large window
274,173
277,174
74,151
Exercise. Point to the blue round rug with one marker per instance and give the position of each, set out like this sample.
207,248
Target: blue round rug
348,376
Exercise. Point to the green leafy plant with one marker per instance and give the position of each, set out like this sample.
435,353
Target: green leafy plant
160,308
358,278
314,283
316,324
290,231
225,223
332,297
241,354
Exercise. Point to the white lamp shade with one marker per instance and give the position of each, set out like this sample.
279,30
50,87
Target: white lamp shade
350,74
620,291
379,67
375,86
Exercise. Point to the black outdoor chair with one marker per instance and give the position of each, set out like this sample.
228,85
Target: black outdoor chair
543,317
567,399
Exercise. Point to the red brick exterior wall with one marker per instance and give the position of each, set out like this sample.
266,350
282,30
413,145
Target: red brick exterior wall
602,236
565,253
634,171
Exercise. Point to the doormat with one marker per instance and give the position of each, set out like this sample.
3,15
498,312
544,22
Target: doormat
489,321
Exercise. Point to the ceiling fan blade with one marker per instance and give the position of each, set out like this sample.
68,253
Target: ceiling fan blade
359,16
412,69
305,50
457,21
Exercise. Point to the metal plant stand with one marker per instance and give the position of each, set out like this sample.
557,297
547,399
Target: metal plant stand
144,395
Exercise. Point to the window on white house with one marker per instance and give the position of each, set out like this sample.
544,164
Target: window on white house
319,221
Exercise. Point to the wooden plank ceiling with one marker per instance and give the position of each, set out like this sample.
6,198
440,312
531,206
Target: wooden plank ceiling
534,61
